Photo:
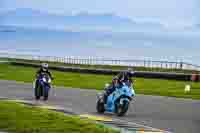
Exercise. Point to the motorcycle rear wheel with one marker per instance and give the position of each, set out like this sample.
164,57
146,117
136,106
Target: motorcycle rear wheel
100,107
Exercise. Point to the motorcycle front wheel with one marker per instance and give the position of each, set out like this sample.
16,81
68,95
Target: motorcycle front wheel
46,93
122,108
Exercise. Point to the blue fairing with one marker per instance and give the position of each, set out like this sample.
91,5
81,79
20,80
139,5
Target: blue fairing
125,91
44,85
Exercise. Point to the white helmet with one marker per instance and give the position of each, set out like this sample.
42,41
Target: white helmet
45,66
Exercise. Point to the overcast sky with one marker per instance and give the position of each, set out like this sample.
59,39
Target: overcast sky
166,11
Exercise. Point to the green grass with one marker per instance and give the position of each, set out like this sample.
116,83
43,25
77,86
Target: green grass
91,81
18,118
105,66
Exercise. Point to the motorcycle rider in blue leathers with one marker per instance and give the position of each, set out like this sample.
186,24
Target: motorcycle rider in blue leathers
126,77
111,88
117,82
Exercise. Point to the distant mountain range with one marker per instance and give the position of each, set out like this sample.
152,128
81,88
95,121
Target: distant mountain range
83,21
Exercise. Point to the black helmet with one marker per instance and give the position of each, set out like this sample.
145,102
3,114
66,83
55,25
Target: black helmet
115,78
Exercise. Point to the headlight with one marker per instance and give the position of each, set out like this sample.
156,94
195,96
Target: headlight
44,79
99,95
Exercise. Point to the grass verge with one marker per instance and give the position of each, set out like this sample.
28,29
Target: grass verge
18,118
91,81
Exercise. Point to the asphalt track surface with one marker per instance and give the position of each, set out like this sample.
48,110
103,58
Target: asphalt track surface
169,114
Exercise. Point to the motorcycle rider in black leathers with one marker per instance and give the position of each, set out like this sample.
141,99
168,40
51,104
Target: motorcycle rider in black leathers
42,70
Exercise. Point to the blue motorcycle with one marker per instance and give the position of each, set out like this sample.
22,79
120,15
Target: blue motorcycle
43,87
117,102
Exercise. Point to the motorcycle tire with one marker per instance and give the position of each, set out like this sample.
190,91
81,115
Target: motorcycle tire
100,107
122,109
46,95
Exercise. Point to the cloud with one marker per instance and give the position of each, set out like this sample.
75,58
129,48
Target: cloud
164,11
